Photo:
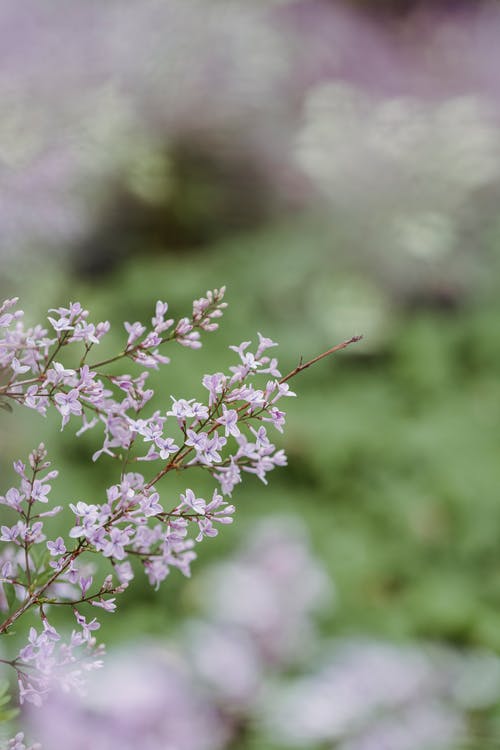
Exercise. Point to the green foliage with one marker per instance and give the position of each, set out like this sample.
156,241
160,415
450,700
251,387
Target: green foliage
6,713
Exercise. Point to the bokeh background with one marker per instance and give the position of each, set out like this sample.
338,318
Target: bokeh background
337,166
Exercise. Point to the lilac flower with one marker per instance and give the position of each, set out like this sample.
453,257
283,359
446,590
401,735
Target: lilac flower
85,584
114,547
17,367
58,374
87,627
150,505
107,604
85,332
200,412
60,324
67,404
49,632
167,447
90,520
28,693
228,477
283,390
229,420
33,534
12,498
181,409
195,503
215,384
197,440
6,319
206,529
35,401
150,429
261,439
158,321
264,344
10,533
135,331
56,548
190,340
91,389
211,455
241,348
40,491
124,572
277,418
156,570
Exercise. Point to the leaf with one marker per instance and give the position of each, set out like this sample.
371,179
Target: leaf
8,714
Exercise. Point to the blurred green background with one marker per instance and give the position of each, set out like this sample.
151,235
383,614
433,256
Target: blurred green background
335,192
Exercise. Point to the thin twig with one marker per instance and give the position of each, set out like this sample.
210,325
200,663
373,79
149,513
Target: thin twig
334,349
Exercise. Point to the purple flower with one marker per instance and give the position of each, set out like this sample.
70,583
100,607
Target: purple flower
277,418
197,440
167,447
215,384
60,324
264,344
12,498
135,331
114,546
124,572
40,491
87,627
156,570
211,453
59,374
228,477
229,420
57,548
67,404
10,533
158,321
206,529
85,584
107,604
150,505
17,367
181,409
195,503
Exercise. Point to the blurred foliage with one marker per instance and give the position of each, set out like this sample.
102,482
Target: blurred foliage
6,713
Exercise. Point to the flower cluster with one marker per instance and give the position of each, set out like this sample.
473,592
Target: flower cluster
226,435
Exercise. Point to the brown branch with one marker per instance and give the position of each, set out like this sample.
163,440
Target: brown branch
313,361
